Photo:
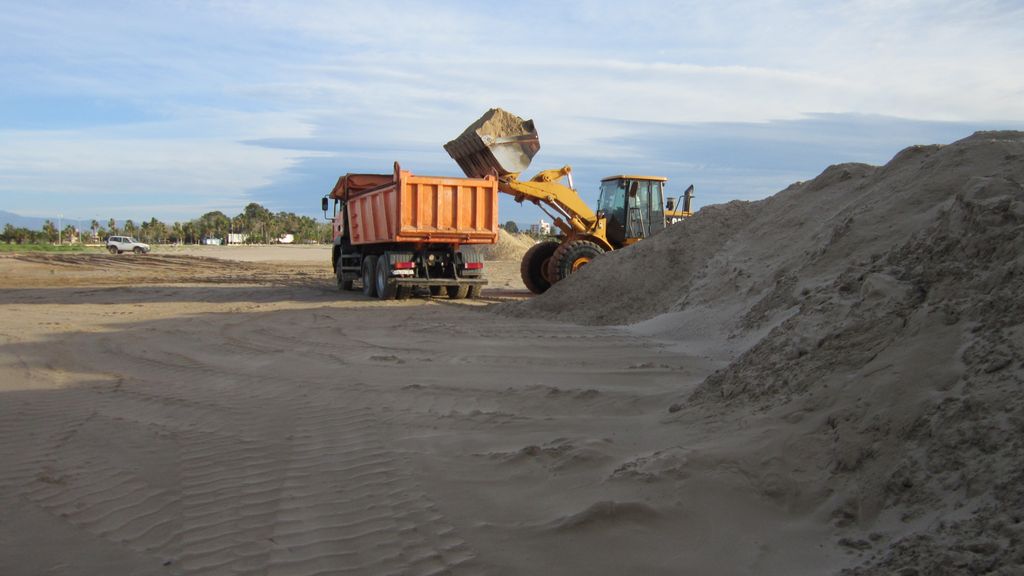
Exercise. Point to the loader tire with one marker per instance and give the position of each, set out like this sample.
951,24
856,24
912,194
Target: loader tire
572,256
534,266
369,276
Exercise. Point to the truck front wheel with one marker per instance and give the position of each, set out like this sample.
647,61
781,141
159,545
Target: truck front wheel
369,276
343,284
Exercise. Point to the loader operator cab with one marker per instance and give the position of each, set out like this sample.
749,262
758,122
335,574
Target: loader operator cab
633,207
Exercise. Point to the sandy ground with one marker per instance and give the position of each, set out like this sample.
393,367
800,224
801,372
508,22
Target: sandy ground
826,381
227,411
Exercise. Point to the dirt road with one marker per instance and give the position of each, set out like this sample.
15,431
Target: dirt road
175,414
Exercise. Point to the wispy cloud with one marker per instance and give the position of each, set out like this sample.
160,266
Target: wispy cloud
217,103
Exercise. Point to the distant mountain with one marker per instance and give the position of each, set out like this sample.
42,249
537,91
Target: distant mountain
30,222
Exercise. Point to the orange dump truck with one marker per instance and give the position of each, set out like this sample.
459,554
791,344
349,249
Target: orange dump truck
397,232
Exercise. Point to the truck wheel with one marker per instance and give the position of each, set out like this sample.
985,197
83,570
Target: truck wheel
572,256
532,269
343,284
137,250
369,276
436,290
474,291
457,292
404,292
385,290
112,249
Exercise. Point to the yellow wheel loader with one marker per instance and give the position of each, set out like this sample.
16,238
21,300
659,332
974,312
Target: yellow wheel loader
630,207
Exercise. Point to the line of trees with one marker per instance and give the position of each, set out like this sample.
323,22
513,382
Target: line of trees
255,223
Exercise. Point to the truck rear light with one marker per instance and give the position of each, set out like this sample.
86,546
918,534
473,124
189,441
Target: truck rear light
474,265
404,265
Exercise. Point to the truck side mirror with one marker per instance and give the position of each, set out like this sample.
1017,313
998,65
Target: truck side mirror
324,205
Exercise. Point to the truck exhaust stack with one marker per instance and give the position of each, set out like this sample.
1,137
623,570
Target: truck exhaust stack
498,143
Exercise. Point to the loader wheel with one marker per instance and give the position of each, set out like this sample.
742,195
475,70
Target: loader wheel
369,276
385,290
534,264
457,292
572,256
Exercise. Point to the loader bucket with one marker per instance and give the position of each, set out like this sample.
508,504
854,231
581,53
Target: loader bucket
498,143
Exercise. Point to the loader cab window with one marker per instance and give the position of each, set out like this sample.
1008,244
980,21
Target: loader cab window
613,203
645,214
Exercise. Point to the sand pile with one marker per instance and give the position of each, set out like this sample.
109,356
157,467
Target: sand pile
508,247
872,317
497,123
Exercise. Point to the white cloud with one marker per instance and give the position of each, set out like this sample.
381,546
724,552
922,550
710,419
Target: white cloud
407,76
118,171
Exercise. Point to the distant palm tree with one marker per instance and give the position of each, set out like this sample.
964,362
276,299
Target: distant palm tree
50,231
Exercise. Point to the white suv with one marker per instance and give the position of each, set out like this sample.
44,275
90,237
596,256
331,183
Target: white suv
118,244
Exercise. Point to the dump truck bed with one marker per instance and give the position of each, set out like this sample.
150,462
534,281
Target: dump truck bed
404,208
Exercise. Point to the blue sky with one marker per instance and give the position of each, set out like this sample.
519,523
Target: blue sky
175,108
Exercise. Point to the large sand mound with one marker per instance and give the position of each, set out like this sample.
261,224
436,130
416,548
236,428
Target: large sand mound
877,311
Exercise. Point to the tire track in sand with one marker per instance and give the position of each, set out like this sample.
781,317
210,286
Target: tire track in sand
272,475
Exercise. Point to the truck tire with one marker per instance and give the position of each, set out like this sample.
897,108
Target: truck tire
474,291
137,250
570,257
343,285
534,265
369,276
436,290
457,292
385,290
112,249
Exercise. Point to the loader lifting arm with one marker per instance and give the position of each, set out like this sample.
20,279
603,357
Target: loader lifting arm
572,215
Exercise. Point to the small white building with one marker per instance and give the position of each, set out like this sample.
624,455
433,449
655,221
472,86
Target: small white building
286,239
237,238
541,228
